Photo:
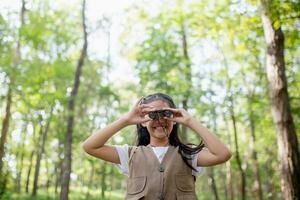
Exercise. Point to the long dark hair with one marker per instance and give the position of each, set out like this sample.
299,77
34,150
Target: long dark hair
185,150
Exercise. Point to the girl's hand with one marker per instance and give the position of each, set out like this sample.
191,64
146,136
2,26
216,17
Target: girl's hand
138,114
180,115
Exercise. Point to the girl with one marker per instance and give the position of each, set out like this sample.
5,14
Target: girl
160,166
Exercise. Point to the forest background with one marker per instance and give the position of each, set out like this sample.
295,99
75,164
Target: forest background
68,68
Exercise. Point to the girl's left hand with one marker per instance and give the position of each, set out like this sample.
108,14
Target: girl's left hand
180,115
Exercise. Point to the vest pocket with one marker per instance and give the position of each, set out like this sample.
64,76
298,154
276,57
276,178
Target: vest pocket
136,185
184,182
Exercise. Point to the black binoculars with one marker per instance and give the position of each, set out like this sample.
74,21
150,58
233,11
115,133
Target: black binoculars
160,114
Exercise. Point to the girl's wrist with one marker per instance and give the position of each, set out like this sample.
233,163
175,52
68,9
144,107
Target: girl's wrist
124,120
190,122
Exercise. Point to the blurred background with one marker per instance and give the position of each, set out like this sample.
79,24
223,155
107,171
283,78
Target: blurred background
70,67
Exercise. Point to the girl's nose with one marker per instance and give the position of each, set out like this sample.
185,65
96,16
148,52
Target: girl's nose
161,119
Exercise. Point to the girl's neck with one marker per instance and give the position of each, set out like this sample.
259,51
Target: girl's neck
159,143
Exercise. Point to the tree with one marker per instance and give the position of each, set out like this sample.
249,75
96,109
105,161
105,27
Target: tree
282,117
67,163
40,150
12,79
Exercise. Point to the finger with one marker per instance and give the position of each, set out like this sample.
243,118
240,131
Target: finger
139,101
171,109
170,119
174,110
147,110
146,119
146,106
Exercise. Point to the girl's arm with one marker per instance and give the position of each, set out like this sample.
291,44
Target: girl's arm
216,152
95,145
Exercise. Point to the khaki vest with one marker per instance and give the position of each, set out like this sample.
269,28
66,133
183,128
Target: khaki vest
150,180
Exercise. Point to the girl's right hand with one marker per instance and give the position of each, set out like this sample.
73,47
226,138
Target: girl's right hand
138,114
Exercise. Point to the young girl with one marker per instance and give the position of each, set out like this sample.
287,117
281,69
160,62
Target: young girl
160,166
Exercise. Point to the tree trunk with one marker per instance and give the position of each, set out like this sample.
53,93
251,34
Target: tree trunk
213,119
4,132
59,168
48,176
38,161
237,154
4,181
103,180
257,184
58,174
20,165
29,172
112,186
66,168
212,182
90,182
40,151
5,122
286,134
230,193
253,153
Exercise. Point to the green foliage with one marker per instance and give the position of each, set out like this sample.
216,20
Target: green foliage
224,71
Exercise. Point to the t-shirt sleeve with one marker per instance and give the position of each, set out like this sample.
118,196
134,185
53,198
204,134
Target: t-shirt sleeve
123,155
200,170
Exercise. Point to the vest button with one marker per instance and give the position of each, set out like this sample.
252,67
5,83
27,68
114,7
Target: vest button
161,169
161,197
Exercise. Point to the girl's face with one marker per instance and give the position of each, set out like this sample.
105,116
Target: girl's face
158,128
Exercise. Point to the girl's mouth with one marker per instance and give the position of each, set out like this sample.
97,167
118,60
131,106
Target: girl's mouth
159,127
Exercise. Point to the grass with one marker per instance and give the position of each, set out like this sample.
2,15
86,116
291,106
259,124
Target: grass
74,195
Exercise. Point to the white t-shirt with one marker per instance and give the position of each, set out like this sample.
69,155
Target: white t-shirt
159,152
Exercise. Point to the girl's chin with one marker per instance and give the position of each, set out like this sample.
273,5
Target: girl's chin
159,133
159,129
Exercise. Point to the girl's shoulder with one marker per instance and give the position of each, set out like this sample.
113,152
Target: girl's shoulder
131,150
126,149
